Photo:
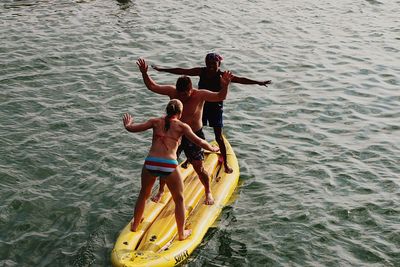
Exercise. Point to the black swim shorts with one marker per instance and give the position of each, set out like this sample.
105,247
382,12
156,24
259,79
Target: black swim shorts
192,151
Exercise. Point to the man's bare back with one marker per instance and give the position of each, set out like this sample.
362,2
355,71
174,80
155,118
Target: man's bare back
193,109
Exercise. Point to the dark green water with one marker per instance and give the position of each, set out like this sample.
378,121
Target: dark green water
318,149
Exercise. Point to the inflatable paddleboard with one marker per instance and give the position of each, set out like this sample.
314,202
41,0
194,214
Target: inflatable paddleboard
155,243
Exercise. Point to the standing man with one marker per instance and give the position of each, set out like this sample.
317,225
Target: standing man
210,77
193,102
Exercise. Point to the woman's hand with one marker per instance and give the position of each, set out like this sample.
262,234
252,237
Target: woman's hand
214,149
127,120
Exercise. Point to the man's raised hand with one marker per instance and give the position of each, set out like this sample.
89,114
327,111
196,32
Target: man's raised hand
142,65
226,78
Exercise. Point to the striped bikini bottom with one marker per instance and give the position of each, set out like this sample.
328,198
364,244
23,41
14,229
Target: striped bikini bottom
160,166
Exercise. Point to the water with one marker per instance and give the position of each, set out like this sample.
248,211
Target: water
318,149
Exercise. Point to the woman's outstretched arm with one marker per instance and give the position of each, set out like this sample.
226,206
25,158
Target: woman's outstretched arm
135,127
187,131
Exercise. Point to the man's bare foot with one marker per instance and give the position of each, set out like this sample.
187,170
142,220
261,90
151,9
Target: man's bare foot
228,169
186,234
209,199
185,164
157,197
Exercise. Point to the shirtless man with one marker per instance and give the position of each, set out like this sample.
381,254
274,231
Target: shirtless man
193,102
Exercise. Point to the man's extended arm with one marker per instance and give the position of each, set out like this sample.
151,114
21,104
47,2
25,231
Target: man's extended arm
179,71
244,80
151,84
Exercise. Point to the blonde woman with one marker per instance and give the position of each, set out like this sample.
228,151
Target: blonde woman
161,160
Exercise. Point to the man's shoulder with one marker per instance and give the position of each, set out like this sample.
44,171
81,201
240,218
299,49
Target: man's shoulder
200,94
197,92
196,95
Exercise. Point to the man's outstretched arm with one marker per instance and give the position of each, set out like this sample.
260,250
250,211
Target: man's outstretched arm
151,84
243,80
179,71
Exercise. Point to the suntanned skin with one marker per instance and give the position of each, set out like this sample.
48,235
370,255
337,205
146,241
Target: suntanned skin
193,101
212,67
164,148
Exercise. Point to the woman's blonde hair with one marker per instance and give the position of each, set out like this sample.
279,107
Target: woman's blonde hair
174,107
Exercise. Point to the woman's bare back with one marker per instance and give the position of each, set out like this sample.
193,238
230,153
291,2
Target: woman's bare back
165,142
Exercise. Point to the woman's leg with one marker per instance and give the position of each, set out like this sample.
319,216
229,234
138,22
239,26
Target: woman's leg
147,181
175,185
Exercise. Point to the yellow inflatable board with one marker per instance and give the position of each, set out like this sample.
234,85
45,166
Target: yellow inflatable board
155,243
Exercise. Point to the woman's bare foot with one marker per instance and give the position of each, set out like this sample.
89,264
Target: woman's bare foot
186,234
133,226
157,197
209,199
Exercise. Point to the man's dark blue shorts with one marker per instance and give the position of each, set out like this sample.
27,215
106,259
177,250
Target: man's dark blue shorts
212,115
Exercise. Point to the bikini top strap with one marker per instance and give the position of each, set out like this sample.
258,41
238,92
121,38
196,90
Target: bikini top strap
162,138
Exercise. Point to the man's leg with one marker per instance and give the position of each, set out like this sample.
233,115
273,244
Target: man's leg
185,164
195,155
204,179
220,140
